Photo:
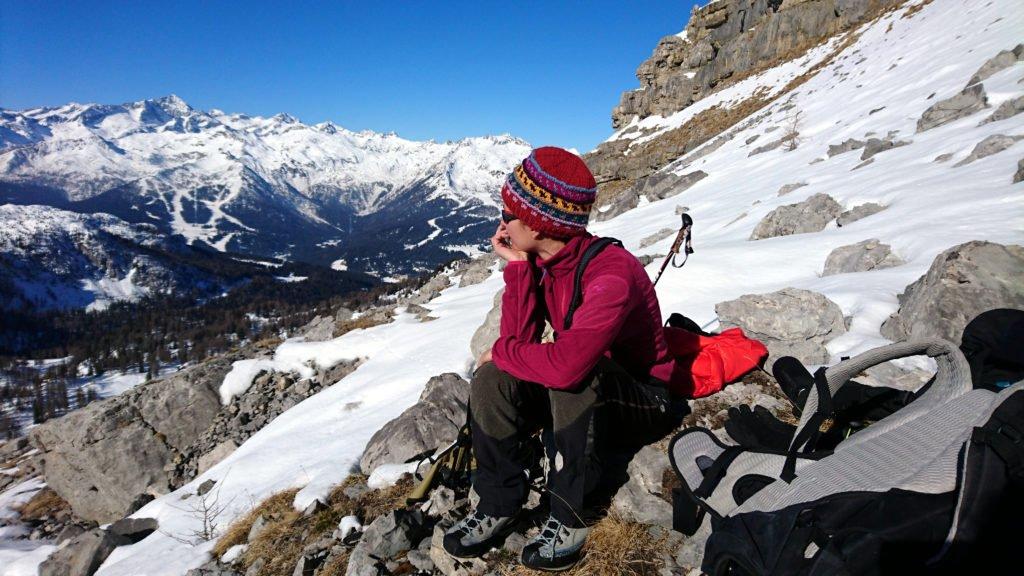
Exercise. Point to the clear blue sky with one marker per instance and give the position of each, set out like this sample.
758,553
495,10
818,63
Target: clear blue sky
549,72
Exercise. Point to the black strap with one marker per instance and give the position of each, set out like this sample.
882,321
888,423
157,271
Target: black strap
714,473
807,438
577,287
1008,442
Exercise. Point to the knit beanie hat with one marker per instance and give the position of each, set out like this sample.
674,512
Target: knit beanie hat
552,191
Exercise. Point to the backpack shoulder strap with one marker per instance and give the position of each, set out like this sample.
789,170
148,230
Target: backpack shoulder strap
577,287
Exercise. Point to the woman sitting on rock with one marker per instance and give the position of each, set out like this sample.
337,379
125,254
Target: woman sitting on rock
598,386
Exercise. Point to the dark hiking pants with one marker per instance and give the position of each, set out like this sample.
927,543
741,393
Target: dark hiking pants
609,411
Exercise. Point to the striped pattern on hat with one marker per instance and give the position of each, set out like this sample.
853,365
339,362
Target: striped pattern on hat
552,191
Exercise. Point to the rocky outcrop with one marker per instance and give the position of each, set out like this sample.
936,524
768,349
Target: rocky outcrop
83,555
997,63
790,322
1007,109
102,457
385,538
642,498
488,332
269,396
787,188
727,40
844,147
432,422
857,212
970,100
961,283
993,144
876,145
811,215
477,270
860,257
1018,176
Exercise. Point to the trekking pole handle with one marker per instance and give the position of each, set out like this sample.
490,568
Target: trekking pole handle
683,240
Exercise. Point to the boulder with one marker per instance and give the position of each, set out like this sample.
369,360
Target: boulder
768,147
641,498
858,212
83,555
786,189
134,529
970,100
1019,175
385,538
993,144
657,237
622,203
488,332
877,145
212,569
811,215
790,322
846,146
319,329
100,458
1007,109
432,422
860,257
1000,61
961,283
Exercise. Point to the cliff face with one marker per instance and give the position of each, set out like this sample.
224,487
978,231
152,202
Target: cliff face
723,43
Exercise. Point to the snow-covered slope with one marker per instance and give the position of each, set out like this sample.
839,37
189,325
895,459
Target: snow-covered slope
881,83
270,186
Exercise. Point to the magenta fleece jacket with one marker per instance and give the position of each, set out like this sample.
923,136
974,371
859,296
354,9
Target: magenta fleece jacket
619,318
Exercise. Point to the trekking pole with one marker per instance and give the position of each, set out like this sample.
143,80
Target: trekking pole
683,239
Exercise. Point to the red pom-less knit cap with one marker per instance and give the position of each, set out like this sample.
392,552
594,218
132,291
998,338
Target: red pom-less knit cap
552,191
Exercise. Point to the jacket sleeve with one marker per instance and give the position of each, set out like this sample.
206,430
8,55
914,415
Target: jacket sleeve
563,364
521,316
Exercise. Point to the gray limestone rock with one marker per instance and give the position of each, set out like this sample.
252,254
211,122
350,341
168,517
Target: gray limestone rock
386,537
811,215
134,529
845,146
83,555
220,452
858,212
1007,109
641,499
624,202
212,569
860,257
449,565
1019,175
790,322
993,144
877,145
961,283
101,457
478,270
428,424
768,147
661,185
970,100
657,237
786,189
1000,61
319,329
488,332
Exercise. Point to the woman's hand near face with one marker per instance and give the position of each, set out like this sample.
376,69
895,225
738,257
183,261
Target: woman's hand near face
503,247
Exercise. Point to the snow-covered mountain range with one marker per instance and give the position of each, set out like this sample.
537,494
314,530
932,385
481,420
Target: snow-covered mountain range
263,186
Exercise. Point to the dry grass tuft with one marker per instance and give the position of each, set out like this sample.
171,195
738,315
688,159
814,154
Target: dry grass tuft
336,565
287,531
277,506
915,9
614,547
45,503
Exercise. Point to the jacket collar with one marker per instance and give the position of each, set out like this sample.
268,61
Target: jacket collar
565,260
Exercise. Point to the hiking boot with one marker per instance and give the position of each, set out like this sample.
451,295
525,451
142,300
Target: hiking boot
475,534
557,547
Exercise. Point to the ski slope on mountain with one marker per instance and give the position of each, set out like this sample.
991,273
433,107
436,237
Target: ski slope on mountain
881,83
